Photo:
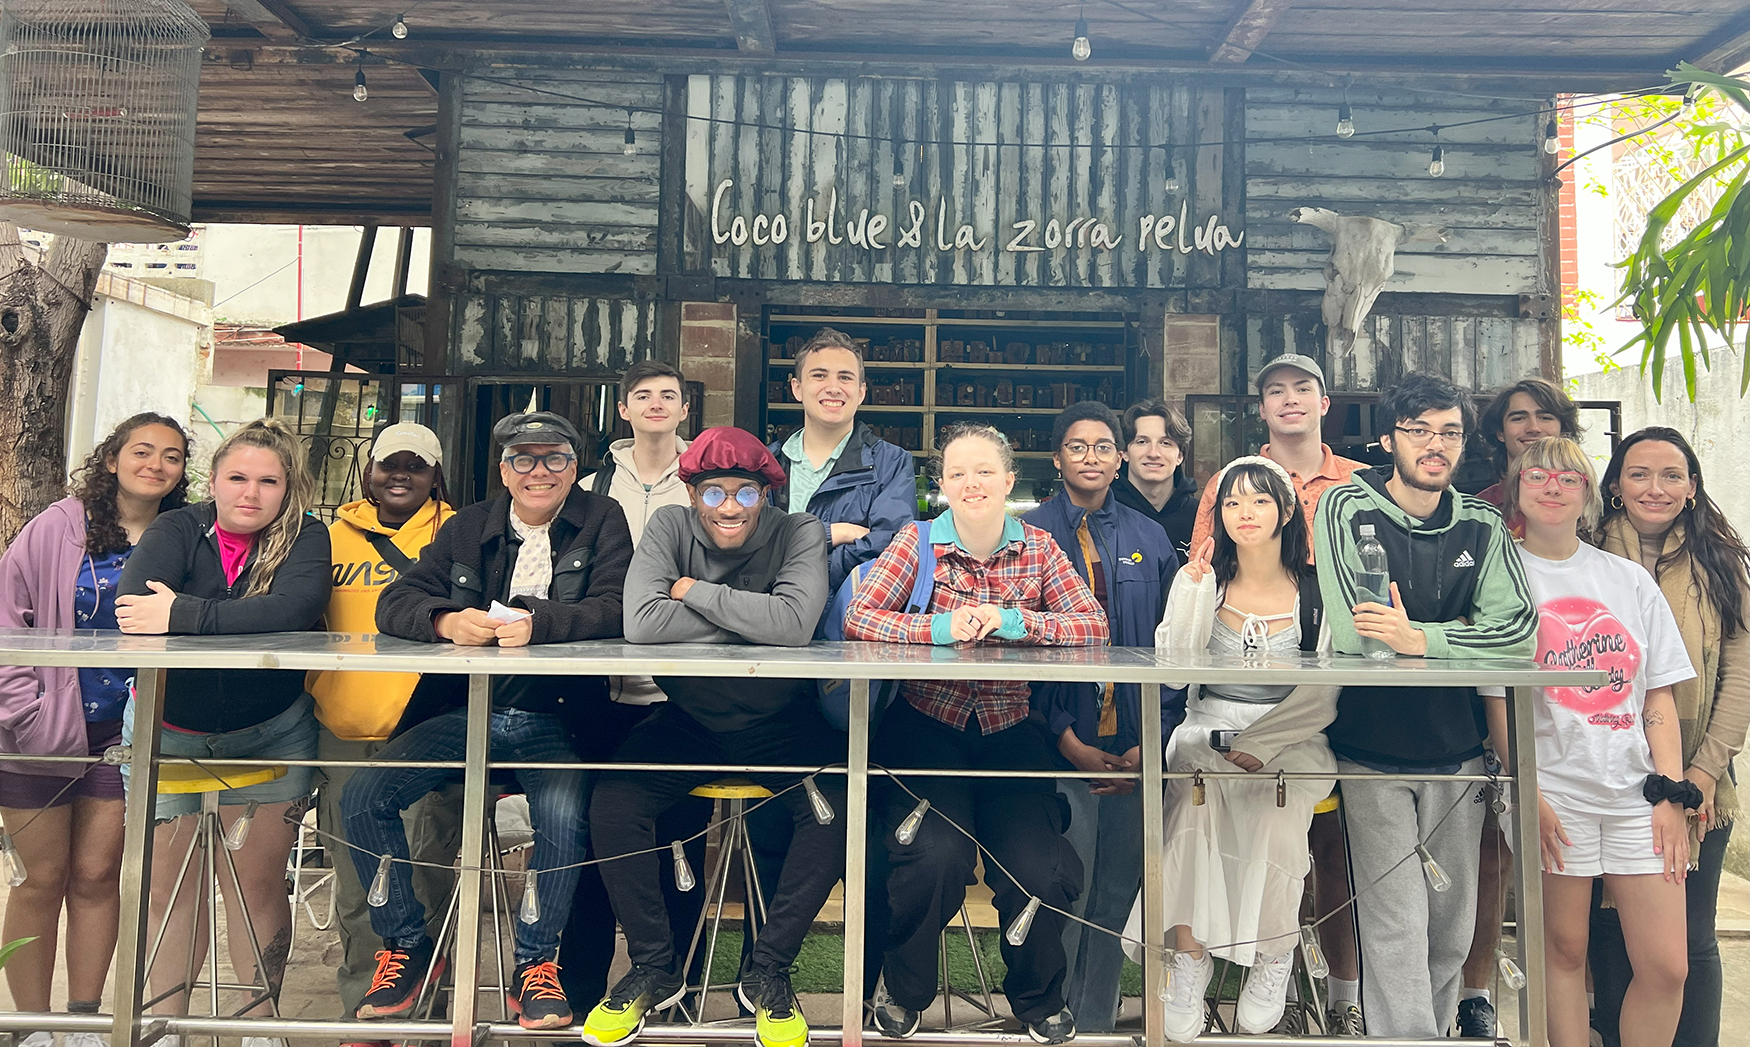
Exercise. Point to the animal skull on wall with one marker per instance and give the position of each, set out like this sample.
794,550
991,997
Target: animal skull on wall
1361,261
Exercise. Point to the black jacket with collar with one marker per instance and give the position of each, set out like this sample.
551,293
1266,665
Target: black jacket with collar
181,550
469,564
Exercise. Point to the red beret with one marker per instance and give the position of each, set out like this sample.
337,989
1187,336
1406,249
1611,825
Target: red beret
727,451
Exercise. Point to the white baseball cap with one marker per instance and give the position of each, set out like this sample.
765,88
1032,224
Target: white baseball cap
408,436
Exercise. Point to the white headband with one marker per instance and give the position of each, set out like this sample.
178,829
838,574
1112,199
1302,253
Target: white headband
1256,459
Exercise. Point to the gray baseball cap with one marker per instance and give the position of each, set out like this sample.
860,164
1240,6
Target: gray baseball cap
535,427
1297,361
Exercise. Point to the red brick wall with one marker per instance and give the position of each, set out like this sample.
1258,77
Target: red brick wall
708,356
1565,210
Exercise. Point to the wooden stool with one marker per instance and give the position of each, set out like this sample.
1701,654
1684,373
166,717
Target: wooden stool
730,796
209,841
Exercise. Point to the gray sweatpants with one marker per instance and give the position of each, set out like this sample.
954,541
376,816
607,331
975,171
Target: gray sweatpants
1413,940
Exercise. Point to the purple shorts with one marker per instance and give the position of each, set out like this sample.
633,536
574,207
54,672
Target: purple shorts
101,781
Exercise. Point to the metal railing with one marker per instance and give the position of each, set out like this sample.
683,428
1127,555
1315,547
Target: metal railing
857,662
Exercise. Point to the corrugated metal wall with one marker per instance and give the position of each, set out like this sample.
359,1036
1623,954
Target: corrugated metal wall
1476,352
542,181
1044,151
1489,201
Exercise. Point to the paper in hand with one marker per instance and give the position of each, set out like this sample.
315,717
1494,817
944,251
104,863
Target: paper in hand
505,614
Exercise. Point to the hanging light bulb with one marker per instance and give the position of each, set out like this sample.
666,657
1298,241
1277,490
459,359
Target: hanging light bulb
1314,954
11,862
1510,972
359,91
531,907
631,146
379,895
1345,121
399,29
823,812
683,871
1552,143
899,178
1437,162
1081,49
1437,878
1166,992
1017,932
239,831
908,829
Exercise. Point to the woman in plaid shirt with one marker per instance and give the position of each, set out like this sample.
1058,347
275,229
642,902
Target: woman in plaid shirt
999,580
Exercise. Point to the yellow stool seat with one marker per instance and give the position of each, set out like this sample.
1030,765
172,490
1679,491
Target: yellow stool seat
213,777
732,789
1328,804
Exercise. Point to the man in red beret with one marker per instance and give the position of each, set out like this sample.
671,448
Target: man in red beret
729,568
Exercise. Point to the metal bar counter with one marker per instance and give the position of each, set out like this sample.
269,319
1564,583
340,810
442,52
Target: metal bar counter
859,663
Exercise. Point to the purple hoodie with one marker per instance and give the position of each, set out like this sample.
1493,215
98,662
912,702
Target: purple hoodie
41,712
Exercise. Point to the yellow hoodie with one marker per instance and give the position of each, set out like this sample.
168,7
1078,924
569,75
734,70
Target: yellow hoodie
362,706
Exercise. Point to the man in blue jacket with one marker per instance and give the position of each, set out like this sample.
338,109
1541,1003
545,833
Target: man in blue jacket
861,488
1129,562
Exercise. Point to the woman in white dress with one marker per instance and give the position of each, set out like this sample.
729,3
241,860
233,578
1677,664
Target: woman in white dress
1236,848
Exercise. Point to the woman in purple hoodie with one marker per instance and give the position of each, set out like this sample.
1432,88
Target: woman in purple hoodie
66,818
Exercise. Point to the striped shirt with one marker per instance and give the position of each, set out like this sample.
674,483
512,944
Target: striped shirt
1028,574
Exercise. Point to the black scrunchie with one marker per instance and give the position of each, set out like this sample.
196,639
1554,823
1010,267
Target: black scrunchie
1658,789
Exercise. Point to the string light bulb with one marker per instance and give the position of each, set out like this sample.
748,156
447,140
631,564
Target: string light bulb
1552,143
1081,49
823,812
530,912
1510,972
1437,878
908,829
360,91
899,179
1437,162
1313,953
379,895
631,146
239,831
1016,935
11,862
399,29
684,880
1345,121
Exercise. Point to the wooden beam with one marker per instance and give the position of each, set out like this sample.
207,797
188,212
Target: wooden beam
1724,51
275,19
361,266
753,26
1250,25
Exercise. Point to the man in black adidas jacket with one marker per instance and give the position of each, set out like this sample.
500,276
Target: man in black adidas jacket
557,555
1457,591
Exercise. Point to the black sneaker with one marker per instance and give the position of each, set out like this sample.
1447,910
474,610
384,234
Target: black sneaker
1476,1019
778,1019
1056,1028
402,975
1344,1019
536,998
890,1016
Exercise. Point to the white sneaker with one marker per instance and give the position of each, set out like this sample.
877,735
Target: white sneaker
263,1041
1261,1002
84,1039
38,1039
1190,981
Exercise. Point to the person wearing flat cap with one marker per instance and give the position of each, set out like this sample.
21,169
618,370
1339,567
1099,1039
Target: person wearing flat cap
544,562
729,568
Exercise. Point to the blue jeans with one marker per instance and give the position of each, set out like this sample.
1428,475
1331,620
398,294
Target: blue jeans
1106,831
374,798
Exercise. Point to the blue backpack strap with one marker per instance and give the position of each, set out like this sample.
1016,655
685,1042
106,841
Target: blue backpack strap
924,585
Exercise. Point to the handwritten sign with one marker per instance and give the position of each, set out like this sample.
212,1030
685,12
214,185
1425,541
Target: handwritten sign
920,230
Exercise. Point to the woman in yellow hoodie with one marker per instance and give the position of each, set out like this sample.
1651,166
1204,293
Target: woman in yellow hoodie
374,539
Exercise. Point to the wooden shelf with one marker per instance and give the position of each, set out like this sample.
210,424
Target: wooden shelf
995,410
797,319
1066,368
883,408
872,365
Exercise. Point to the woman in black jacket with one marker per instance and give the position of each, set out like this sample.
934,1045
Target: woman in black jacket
249,560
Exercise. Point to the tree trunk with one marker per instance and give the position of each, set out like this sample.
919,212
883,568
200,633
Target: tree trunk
42,308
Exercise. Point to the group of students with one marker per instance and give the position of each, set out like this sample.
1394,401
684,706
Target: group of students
725,540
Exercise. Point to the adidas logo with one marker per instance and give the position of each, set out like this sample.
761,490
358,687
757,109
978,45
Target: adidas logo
1464,560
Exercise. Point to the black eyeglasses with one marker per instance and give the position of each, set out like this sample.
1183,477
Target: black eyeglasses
555,462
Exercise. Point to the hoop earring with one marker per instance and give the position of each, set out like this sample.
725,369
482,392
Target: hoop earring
1692,505
1616,501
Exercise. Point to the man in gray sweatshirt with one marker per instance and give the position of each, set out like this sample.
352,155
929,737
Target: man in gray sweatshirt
729,568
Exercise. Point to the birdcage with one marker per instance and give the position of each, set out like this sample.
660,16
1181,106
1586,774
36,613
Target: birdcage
97,116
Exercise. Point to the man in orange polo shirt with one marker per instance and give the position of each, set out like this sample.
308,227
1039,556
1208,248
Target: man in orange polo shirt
1292,401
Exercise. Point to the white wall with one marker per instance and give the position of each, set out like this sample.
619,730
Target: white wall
131,358
274,274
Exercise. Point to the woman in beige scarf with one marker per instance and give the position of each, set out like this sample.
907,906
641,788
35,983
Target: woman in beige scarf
1658,514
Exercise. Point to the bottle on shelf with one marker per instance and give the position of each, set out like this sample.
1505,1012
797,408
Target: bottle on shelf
1373,585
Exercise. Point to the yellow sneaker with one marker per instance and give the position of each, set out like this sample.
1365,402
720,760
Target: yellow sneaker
778,1019
620,1018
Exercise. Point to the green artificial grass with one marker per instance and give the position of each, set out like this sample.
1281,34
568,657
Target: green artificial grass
820,967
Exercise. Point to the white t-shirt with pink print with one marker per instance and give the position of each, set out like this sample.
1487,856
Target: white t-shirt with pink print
1598,611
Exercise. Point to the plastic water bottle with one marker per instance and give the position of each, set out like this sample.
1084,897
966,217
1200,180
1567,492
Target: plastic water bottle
1374,584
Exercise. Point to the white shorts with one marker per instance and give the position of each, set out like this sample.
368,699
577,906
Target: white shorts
1607,844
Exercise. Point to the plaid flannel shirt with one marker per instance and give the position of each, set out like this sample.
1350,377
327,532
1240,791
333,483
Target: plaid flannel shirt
1029,573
